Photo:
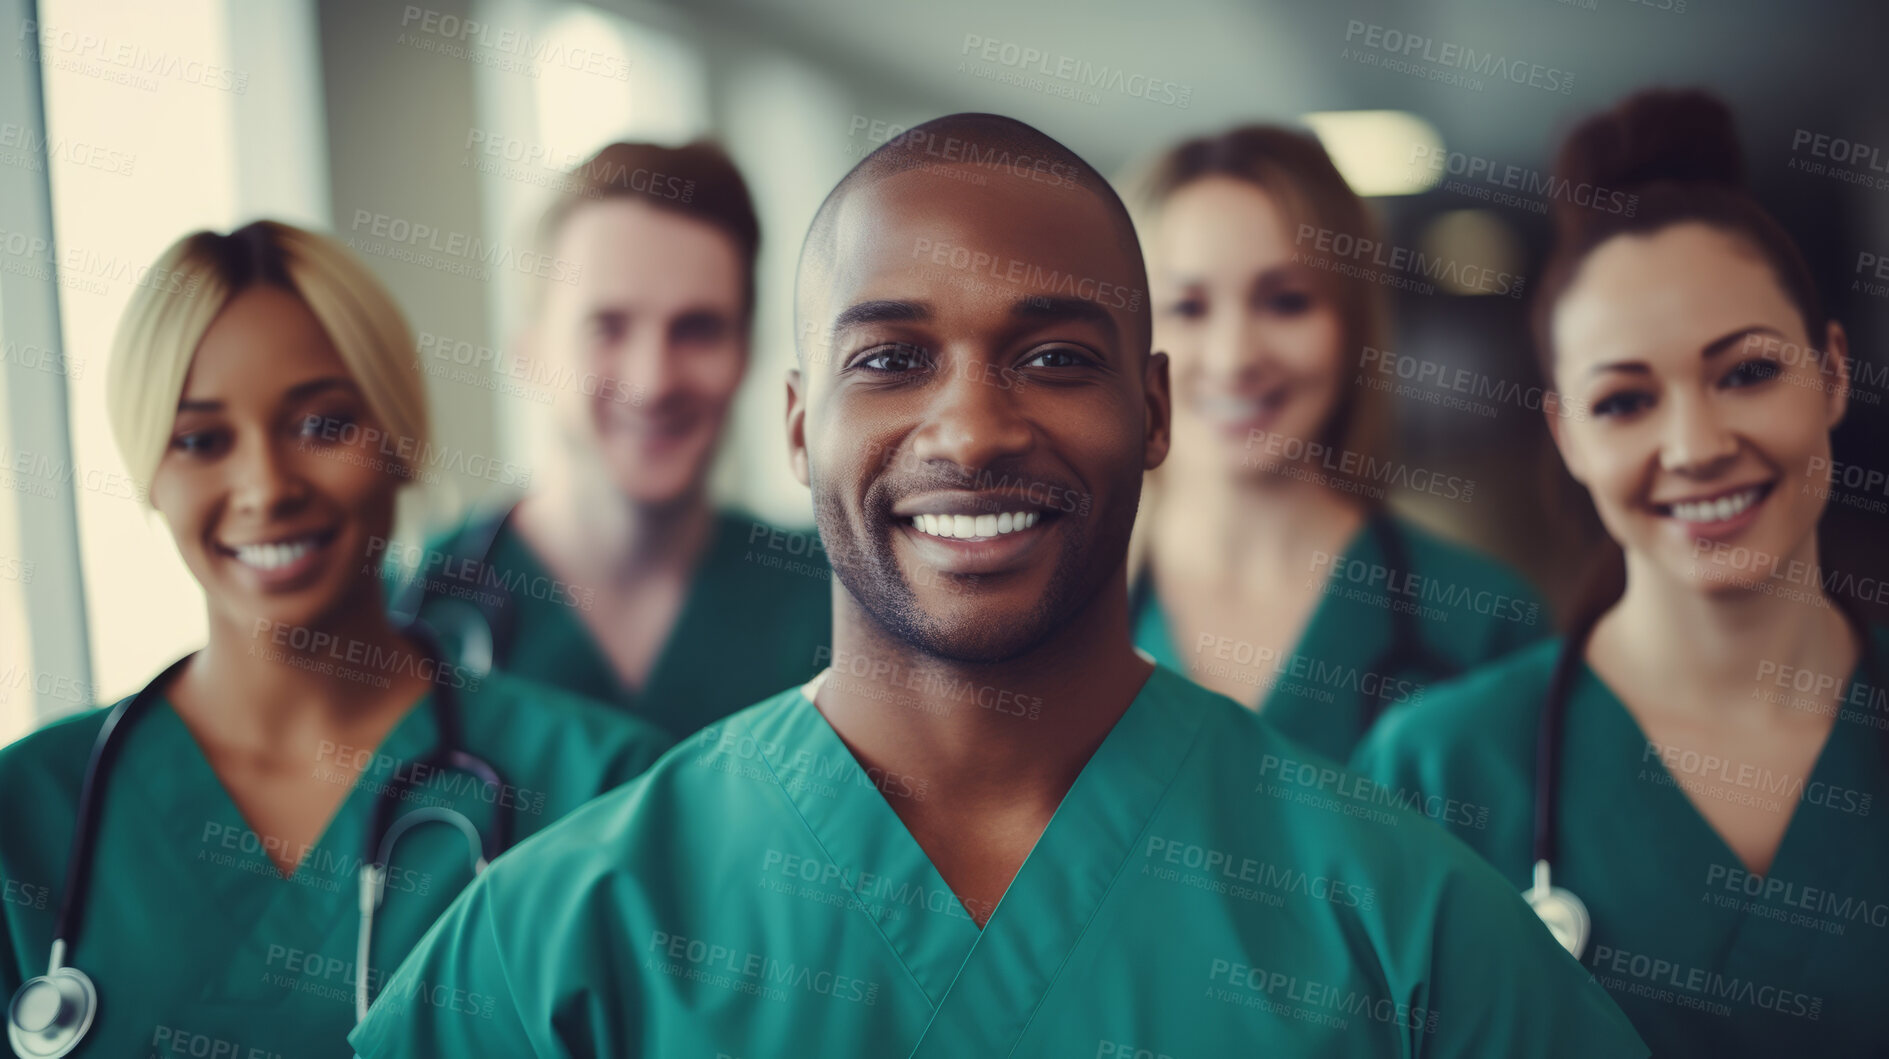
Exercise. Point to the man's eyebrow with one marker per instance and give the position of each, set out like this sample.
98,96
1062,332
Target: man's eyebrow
883,311
1040,307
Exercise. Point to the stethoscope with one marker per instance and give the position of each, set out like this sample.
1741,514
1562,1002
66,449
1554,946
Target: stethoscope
1565,915
50,1015
1406,653
484,628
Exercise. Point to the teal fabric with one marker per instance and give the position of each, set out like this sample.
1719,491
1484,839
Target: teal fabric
1327,691
757,619
1706,958
197,943
1204,889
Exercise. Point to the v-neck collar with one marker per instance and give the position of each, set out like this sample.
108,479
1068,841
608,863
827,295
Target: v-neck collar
692,622
177,781
1358,642
1845,753
984,985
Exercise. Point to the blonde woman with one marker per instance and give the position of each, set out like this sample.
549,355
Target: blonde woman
197,884
1271,569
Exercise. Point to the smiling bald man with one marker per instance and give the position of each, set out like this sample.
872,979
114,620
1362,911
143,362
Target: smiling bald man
989,827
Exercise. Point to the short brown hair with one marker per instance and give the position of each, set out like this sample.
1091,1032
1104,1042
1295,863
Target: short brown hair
697,180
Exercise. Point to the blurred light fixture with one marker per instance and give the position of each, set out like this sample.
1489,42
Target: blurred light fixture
1474,252
1380,152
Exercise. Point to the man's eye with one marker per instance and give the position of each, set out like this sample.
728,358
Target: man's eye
894,359
1751,373
1058,357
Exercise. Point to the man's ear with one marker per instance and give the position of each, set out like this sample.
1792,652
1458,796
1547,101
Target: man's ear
797,425
1159,409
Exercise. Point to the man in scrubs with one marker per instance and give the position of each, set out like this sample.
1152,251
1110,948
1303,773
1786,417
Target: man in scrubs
617,576
990,827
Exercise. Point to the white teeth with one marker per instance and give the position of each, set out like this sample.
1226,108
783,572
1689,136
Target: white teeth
275,555
1718,510
955,526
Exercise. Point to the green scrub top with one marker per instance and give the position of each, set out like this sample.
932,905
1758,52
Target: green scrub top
756,619
1385,630
1705,957
1205,888
197,944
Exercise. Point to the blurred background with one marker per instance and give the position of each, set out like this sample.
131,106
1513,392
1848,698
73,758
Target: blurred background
124,125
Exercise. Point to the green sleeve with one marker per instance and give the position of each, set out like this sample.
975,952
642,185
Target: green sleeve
452,995
1501,985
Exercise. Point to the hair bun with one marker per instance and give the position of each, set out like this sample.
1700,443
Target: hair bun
1685,136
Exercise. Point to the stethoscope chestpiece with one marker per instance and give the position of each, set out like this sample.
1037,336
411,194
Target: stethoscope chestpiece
1563,913
49,1015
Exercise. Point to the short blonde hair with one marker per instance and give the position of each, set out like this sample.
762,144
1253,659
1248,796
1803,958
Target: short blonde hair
199,275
